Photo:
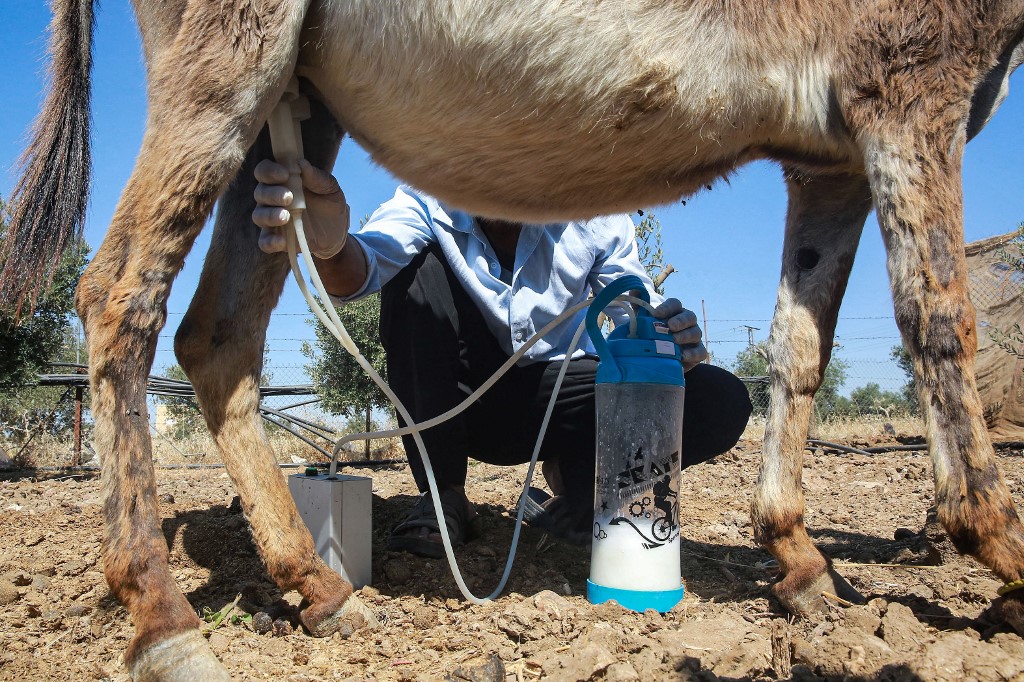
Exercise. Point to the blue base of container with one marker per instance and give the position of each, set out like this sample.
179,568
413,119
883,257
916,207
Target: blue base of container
635,600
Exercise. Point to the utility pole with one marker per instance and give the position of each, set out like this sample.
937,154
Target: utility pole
76,459
707,341
750,333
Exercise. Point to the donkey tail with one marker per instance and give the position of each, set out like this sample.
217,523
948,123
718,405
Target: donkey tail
47,207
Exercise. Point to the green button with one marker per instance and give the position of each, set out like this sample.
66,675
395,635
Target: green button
312,471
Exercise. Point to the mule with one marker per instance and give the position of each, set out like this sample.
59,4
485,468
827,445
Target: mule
532,110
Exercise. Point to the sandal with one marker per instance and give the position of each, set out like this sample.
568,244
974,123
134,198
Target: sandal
554,515
407,536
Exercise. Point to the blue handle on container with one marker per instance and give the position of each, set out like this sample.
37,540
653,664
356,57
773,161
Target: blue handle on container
601,301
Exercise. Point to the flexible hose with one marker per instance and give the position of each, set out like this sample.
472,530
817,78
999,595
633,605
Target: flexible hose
498,373
329,317
331,321
287,143
470,399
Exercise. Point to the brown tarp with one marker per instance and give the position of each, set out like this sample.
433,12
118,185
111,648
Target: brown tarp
996,291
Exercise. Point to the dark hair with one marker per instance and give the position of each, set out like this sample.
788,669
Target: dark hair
47,208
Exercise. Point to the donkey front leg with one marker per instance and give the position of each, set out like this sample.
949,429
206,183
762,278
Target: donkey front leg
917,189
823,226
207,101
220,346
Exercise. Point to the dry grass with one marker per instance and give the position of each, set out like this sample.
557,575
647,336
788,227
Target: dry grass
200,449
47,451
57,451
869,428
42,451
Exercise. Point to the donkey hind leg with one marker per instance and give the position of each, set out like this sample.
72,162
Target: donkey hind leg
823,226
919,201
195,142
220,346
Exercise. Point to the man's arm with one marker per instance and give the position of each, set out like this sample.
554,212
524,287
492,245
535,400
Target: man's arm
621,257
348,267
617,256
344,273
340,261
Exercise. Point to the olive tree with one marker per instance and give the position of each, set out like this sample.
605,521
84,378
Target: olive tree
28,346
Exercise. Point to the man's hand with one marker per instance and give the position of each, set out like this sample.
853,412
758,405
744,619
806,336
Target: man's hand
685,332
326,218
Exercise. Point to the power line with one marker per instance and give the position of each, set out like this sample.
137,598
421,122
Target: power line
272,314
768,319
744,319
171,336
866,338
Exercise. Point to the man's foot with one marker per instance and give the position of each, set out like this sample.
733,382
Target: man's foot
420,532
558,517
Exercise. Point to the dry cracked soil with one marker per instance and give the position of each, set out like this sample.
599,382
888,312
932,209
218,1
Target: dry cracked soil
926,618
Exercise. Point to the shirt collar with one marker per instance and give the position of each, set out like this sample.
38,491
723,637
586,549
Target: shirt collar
453,218
439,212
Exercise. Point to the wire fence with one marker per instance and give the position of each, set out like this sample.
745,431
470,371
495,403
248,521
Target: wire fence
872,386
879,385
57,430
865,382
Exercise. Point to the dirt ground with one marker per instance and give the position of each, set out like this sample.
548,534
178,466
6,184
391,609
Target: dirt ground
924,621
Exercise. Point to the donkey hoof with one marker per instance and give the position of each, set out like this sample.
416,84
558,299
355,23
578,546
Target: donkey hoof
352,616
181,658
1011,610
812,596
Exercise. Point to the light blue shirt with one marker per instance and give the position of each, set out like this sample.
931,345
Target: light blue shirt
556,266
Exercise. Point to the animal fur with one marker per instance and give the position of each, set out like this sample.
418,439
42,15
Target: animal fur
533,110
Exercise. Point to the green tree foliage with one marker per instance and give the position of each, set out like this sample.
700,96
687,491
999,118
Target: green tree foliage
752,363
1012,254
343,386
28,346
184,418
871,399
648,242
27,409
909,390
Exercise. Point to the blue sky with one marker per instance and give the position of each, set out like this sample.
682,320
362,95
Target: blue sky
725,243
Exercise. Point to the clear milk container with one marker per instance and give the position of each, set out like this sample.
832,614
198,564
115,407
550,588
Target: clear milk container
639,396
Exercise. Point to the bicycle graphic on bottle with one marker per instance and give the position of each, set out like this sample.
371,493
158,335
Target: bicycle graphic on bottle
664,527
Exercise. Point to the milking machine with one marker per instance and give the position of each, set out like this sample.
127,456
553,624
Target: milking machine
635,550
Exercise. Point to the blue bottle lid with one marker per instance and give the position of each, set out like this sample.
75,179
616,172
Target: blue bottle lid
650,356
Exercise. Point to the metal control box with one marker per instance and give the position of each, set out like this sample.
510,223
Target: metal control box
337,513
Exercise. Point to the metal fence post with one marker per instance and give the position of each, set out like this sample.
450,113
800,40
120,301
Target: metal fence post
76,460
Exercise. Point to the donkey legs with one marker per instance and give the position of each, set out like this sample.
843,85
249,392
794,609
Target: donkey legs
220,346
207,99
823,226
919,203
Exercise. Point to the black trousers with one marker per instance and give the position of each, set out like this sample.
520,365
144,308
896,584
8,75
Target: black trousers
439,349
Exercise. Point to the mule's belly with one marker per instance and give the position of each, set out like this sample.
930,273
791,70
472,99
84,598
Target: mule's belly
540,110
